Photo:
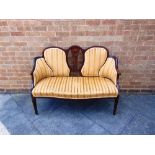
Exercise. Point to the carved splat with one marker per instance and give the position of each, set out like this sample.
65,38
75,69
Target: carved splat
75,59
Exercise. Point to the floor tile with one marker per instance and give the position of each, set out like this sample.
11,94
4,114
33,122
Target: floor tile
101,113
19,125
64,121
135,115
7,102
8,107
3,130
144,105
24,102
140,125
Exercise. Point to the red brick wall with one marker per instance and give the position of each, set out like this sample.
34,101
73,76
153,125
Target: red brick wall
132,41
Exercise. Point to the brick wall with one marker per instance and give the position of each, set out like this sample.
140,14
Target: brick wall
132,41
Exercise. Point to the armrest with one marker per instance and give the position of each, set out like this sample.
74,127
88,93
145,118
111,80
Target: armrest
41,71
109,70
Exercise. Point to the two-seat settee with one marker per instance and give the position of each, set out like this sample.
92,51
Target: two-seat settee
75,73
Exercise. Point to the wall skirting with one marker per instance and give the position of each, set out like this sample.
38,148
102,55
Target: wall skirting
28,91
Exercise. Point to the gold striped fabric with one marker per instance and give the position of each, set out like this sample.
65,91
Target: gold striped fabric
94,59
41,70
75,88
56,59
108,70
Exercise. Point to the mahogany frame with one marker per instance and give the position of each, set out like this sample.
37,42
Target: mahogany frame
74,50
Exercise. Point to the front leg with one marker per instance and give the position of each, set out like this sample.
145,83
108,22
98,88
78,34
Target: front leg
34,104
115,105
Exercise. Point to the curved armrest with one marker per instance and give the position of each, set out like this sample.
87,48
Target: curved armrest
41,71
109,70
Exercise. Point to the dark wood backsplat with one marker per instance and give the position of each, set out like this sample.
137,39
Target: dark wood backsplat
75,60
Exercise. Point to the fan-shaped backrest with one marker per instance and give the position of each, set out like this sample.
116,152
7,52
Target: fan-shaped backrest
95,57
56,59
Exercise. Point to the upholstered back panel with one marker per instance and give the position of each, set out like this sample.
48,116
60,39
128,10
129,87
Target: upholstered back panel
56,59
94,59
41,70
108,70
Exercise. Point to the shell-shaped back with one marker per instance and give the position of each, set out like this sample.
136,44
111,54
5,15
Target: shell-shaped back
56,59
95,57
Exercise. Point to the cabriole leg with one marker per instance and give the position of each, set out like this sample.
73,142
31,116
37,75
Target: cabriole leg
115,105
34,105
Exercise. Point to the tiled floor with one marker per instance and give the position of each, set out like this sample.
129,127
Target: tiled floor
136,115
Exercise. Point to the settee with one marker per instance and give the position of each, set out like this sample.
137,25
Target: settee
75,73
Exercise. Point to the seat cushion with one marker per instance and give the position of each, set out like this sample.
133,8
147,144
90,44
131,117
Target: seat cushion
75,88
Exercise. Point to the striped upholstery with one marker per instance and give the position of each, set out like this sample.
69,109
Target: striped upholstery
56,59
41,70
94,58
108,70
75,88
